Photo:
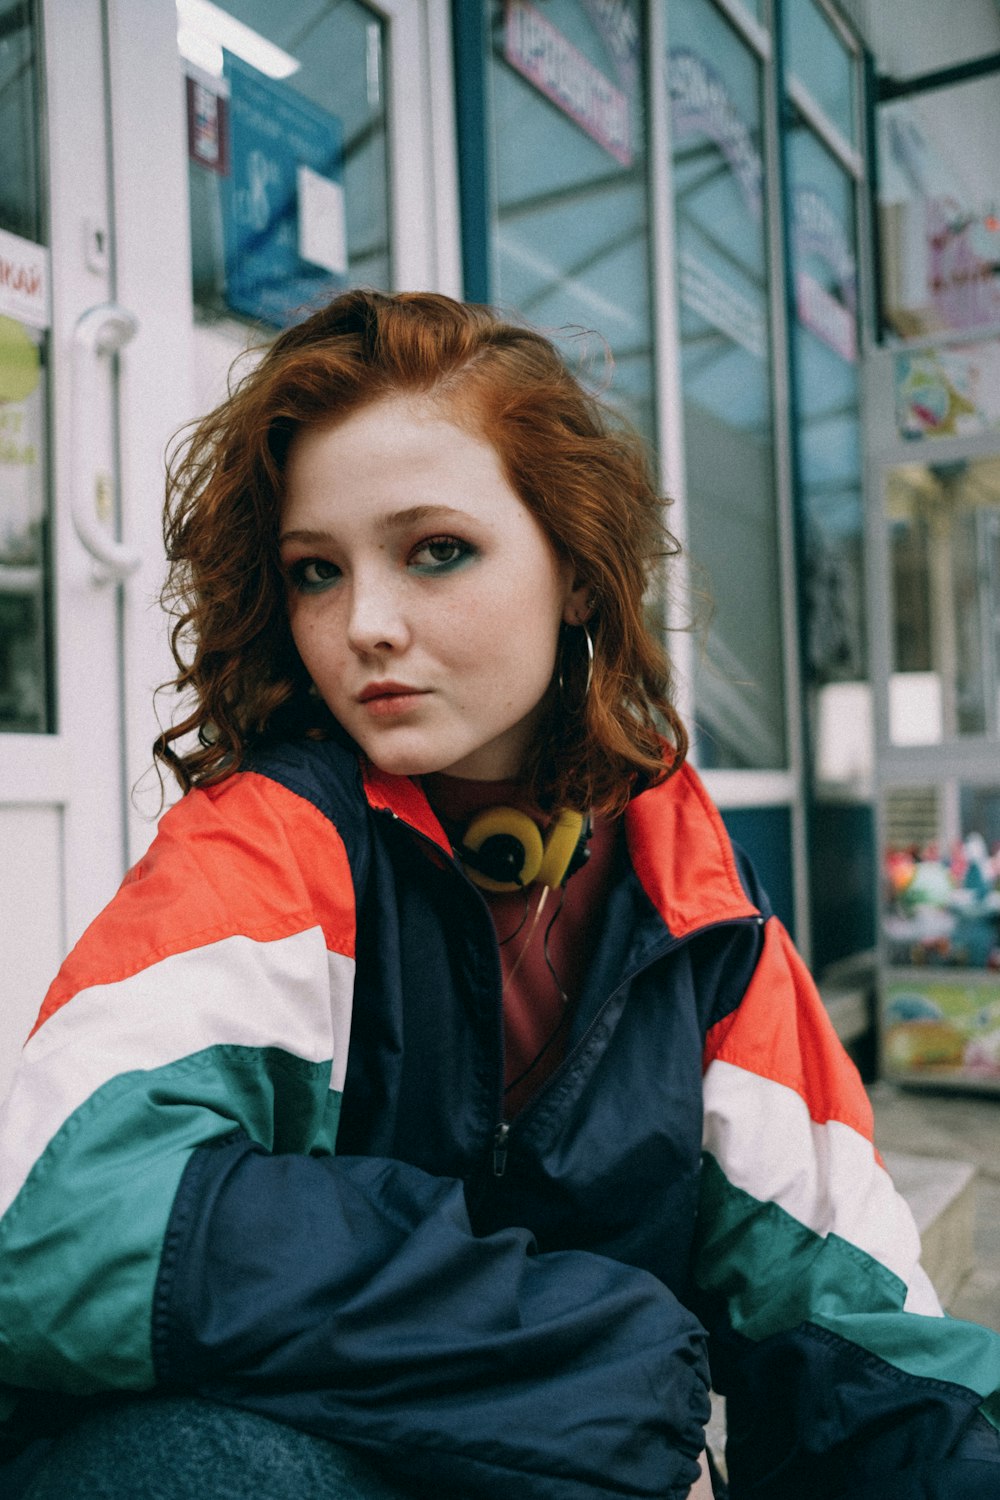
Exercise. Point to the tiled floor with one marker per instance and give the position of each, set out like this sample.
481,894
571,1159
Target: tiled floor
958,1127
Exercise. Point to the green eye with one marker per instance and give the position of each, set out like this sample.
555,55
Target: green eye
443,551
440,553
310,574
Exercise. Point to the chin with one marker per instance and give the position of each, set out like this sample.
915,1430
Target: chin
407,761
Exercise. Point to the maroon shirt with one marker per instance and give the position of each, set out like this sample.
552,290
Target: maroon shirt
538,1000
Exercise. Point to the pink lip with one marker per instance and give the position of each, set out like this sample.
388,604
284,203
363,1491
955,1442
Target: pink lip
386,698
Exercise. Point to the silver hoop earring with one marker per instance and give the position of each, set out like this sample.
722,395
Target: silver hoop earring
590,659
560,681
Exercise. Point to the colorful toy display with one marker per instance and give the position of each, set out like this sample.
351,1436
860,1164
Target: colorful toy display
944,908
942,917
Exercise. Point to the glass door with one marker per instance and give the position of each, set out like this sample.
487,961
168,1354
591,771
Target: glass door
62,557
174,185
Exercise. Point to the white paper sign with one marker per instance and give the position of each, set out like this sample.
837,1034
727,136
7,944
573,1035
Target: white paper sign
322,225
24,280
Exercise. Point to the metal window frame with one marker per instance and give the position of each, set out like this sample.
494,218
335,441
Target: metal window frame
781,786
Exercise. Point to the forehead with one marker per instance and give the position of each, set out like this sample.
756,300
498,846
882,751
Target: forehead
398,440
395,453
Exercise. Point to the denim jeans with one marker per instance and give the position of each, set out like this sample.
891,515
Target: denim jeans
181,1448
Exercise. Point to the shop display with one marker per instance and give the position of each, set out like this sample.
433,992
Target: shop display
941,976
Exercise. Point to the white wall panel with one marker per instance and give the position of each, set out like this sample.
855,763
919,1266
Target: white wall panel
31,930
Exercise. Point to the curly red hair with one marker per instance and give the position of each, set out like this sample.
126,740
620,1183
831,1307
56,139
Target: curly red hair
576,466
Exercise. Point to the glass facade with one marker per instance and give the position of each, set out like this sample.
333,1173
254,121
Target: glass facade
26,666
817,56
287,153
828,435
723,285
21,200
569,210
822,184
563,123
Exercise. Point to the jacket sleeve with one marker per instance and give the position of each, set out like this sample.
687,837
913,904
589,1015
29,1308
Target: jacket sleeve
843,1378
172,1212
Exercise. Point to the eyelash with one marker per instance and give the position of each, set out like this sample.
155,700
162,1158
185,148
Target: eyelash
464,550
298,571
297,575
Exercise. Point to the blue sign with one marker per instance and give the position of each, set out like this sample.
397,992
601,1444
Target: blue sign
282,200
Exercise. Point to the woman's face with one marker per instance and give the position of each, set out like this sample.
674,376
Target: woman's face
425,600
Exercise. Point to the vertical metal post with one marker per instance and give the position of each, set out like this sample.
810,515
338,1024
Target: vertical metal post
788,477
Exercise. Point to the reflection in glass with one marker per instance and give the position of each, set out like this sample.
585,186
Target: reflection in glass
570,231
828,436
311,199
20,166
944,529
26,677
821,60
939,187
722,273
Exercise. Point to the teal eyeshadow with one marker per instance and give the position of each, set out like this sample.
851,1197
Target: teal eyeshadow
436,569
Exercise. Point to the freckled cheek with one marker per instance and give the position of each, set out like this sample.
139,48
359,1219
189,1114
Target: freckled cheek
317,639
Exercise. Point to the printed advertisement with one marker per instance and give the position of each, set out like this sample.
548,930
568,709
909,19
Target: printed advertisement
559,70
22,445
949,392
826,274
283,200
942,1029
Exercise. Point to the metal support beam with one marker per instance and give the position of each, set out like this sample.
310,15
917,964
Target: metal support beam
940,78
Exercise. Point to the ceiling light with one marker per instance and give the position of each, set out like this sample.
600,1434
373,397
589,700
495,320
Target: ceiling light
204,29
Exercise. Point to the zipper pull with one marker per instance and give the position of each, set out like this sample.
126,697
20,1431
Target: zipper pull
500,1149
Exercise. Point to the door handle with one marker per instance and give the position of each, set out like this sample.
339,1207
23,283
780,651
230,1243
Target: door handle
99,334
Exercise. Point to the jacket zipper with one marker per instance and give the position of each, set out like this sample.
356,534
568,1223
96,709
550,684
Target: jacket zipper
500,1148
501,1131
501,1136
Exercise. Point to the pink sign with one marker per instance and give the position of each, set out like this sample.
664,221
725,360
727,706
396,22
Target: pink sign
962,282
825,316
560,71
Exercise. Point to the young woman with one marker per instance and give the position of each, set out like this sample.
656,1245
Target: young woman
375,1141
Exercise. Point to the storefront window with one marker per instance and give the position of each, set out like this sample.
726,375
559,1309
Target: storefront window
820,59
287,155
941,933
944,527
570,230
722,274
20,168
26,676
939,189
828,434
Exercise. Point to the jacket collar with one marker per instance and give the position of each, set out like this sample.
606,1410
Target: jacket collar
682,855
402,797
677,844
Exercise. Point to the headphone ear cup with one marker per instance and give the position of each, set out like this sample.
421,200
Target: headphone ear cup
514,828
561,843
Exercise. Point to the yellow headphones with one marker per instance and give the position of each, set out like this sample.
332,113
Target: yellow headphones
504,850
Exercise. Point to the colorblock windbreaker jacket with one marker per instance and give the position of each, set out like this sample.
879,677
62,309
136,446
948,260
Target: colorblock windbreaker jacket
256,1150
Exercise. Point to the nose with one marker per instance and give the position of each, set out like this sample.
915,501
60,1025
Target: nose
377,620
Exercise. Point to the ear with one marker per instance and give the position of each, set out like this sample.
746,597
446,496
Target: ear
579,604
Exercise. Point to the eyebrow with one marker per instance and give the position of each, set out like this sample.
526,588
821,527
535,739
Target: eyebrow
399,520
